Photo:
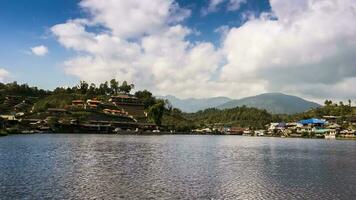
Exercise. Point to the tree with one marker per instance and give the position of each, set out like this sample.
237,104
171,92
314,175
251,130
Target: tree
92,89
349,102
83,87
328,102
114,85
155,112
126,88
104,88
59,90
146,97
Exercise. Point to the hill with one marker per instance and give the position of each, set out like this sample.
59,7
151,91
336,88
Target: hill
275,103
193,105
239,116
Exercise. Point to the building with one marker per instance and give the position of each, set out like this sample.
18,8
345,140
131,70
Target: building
232,130
313,122
93,103
331,119
259,132
78,103
8,117
115,112
276,127
130,104
353,120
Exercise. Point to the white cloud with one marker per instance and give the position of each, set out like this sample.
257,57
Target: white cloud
212,7
135,17
40,50
155,55
232,5
4,75
311,45
235,4
309,50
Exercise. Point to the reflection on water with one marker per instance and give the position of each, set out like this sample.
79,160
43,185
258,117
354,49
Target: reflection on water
175,167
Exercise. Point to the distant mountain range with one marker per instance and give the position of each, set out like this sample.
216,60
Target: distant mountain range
194,105
276,103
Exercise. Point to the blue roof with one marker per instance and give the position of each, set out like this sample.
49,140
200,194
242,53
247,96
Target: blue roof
312,121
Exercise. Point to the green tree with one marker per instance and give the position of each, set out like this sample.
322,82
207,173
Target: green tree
92,90
328,102
155,112
126,88
114,85
83,87
146,97
104,88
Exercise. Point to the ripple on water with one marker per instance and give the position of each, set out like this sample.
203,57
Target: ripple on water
175,167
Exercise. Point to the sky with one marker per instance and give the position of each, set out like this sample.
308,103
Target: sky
199,49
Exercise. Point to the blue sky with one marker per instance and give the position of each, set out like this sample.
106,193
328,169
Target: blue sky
26,24
201,48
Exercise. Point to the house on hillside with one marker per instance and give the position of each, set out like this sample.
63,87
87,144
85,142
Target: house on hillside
93,103
115,112
79,103
130,104
331,119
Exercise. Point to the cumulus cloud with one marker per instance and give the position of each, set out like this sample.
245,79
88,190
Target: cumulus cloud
4,75
153,53
304,47
40,50
135,17
310,45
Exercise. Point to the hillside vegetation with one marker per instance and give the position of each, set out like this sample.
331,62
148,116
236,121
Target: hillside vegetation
239,116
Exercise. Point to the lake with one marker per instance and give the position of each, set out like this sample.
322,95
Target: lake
61,166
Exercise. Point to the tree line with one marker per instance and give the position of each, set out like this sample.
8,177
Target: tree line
111,87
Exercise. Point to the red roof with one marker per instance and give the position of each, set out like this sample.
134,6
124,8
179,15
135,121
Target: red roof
93,101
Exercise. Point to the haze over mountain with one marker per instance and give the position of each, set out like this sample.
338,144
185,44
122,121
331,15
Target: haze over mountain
275,103
193,105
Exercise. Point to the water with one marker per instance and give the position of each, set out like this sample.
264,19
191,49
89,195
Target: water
175,167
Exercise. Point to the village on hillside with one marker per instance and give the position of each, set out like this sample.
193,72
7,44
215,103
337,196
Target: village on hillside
119,113
111,108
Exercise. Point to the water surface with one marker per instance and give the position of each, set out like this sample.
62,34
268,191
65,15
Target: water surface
175,167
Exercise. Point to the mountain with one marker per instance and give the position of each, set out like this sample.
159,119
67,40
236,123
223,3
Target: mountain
275,103
193,105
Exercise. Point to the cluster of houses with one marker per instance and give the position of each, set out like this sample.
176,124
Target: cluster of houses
326,127
120,105
128,111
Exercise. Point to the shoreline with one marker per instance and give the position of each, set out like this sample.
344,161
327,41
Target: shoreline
146,133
